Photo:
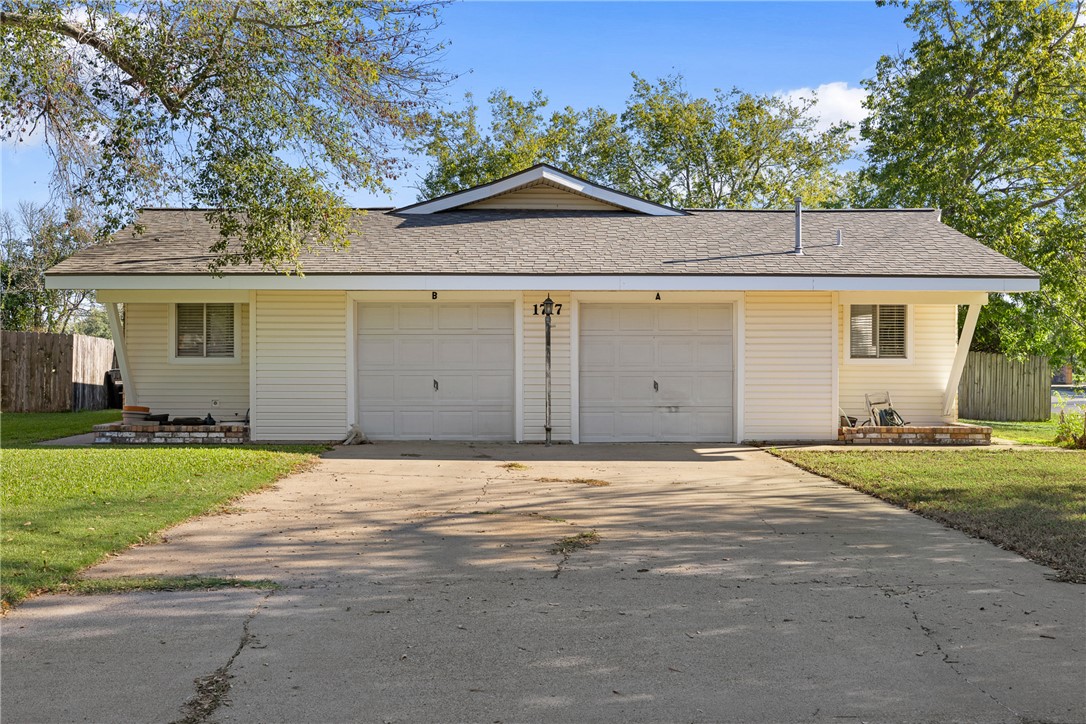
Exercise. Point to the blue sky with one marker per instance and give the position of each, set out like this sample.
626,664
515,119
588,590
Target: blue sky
582,53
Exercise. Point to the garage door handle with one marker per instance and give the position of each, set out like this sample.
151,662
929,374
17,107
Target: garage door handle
435,385
655,385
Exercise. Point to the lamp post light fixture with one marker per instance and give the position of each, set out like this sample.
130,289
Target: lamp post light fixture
548,310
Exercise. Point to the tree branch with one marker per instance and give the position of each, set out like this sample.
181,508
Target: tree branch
92,40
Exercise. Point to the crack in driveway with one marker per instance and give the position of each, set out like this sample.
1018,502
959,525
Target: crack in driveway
211,690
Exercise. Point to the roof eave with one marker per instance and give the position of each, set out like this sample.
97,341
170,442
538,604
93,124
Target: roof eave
544,282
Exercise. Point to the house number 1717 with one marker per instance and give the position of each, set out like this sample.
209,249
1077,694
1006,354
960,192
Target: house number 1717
535,308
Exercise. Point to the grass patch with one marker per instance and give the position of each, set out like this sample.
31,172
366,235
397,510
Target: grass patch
590,482
569,544
95,586
67,508
27,428
515,466
1026,433
1032,502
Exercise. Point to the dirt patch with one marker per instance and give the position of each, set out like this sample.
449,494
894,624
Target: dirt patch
590,482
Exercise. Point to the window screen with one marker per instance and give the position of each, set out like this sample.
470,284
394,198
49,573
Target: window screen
877,331
205,330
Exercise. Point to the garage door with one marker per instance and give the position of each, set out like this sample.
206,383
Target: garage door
656,372
436,371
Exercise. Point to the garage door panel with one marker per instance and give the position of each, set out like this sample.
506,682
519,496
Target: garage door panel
377,352
677,352
377,317
596,388
634,319
713,354
415,352
715,319
676,390
496,317
374,419
634,389
455,317
455,389
377,389
493,424
466,348
414,317
596,318
633,353
658,372
494,353
597,353
493,389
414,389
671,318
714,389
417,424
454,353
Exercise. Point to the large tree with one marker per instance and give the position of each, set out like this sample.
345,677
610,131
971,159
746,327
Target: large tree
264,111
31,240
734,149
985,118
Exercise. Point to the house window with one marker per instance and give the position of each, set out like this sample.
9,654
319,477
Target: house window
877,331
205,331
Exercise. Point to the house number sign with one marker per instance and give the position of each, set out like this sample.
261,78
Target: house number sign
557,309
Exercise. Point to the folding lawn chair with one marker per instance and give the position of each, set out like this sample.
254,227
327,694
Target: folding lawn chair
881,411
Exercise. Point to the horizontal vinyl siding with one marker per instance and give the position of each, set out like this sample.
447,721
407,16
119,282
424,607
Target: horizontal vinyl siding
788,390
542,196
183,389
535,369
301,366
915,385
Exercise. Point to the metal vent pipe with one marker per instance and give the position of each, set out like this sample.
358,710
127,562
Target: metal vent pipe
799,226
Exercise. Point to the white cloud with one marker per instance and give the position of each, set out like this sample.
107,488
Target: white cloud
836,102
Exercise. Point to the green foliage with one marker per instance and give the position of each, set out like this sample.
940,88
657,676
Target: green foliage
66,508
1032,502
1022,432
266,112
735,149
984,118
92,322
1071,429
24,428
31,241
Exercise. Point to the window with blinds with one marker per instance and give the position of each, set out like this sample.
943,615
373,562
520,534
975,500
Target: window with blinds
877,331
205,330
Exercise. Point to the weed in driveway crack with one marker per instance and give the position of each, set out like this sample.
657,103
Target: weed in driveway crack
211,690
568,545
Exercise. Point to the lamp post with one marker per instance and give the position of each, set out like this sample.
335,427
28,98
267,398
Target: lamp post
548,310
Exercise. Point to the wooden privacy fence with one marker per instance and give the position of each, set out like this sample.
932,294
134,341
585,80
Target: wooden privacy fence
995,387
44,372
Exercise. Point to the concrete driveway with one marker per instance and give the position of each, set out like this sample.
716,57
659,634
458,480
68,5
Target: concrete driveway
418,584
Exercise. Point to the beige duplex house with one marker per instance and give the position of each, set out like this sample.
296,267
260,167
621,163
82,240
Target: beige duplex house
669,324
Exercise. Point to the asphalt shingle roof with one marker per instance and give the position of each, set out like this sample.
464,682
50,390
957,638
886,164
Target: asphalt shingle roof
909,243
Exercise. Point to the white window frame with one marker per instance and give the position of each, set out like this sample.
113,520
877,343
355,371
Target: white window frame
846,324
172,341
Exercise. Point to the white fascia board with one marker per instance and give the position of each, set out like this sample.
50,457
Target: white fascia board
543,283
471,196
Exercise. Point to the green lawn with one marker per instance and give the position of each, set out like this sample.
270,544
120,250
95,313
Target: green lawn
1029,501
1027,433
21,428
64,509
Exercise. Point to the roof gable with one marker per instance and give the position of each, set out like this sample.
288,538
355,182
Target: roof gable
541,187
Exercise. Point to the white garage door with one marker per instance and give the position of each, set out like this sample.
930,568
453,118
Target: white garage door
656,372
436,371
